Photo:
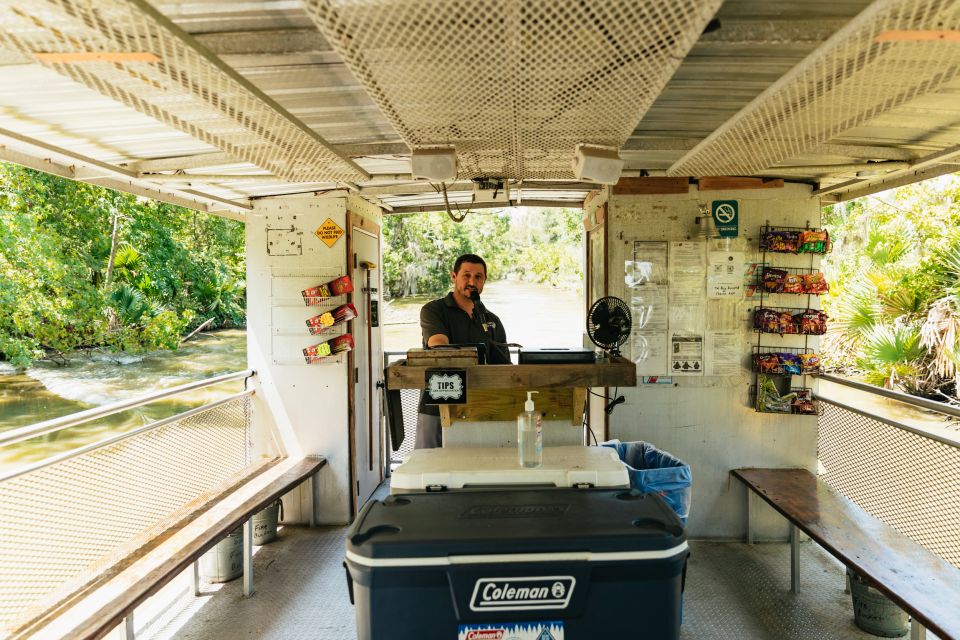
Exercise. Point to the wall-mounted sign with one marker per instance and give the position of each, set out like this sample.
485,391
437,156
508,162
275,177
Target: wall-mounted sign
446,386
726,215
329,232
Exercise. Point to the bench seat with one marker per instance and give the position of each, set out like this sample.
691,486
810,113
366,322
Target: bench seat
184,537
920,582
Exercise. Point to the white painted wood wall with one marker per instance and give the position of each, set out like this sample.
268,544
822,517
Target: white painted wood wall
708,421
298,409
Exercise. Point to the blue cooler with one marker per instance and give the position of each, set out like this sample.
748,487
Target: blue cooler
560,564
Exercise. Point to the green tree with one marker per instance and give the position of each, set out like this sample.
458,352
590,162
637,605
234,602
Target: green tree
84,266
894,302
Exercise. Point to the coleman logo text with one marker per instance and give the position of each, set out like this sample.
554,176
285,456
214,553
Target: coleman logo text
485,634
522,593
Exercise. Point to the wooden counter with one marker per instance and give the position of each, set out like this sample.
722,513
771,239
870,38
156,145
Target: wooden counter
496,392
615,372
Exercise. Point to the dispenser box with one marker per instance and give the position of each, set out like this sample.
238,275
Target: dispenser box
472,467
574,563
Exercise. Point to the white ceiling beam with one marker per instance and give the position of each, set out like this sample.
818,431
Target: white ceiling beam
920,169
866,152
772,32
835,169
48,158
219,158
872,187
465,208
183,163
272,41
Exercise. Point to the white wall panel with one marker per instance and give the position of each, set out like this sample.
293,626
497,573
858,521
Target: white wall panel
708,421
303,407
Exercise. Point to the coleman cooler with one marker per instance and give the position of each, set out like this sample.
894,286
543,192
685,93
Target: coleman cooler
560,564
473,467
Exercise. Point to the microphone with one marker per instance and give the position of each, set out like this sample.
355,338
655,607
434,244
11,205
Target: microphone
479,311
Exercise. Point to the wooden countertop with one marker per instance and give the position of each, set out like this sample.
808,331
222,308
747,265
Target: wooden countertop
614,372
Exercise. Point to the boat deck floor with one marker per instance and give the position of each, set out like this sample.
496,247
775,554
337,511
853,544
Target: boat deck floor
734,591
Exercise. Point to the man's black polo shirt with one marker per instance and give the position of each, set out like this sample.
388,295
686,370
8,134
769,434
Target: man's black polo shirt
444,316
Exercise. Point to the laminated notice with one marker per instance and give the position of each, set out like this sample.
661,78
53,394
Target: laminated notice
547,630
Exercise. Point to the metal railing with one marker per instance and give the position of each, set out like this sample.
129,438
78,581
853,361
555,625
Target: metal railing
66,517
906,475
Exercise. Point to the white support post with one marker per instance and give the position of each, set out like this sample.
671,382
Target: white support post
794,558
248,557
195,578
749,516
128,631
917,630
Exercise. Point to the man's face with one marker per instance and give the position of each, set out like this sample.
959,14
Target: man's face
470,278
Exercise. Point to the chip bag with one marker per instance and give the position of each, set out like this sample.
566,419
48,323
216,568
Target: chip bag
813,241
773,280
793,283
815,283
780,241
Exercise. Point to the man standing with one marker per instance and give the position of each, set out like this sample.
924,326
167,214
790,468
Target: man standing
459,318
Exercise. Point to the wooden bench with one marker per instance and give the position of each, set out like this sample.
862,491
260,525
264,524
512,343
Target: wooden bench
100,605
920,582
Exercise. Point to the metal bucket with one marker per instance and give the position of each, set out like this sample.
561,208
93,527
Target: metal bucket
225,561
874,612
265,523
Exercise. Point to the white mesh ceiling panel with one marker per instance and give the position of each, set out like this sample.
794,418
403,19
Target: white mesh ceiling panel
128,52
515,85
894,51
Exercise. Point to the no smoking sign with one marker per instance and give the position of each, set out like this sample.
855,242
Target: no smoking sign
726,216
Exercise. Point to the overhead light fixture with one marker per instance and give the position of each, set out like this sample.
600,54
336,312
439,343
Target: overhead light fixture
597,164
436,165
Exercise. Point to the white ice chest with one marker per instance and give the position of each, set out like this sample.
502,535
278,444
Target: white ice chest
468,467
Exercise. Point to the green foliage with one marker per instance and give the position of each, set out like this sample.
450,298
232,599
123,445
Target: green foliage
172,269
540,245
895,283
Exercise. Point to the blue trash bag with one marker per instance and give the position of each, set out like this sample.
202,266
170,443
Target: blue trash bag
654,471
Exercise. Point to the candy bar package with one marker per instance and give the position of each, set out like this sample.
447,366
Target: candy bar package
813,242
320,323
810,363
316,353
331,347
317,295
767,363
812,322
791,363
793,283
815,283
773,280
780,241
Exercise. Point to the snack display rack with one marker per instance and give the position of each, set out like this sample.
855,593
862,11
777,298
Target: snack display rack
776,367
310,316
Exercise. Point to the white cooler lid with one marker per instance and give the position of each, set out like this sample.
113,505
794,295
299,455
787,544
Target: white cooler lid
457,467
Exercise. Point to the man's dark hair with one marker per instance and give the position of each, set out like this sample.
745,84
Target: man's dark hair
471,258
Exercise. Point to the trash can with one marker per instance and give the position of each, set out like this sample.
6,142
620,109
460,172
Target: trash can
654,471
520,564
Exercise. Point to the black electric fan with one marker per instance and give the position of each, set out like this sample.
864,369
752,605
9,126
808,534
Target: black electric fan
608,324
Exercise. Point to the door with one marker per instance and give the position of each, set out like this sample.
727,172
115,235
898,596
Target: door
366,363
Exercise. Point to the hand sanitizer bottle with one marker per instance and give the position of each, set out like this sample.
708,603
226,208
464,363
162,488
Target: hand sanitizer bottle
529,435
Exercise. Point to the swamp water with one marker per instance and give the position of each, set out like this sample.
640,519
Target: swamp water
92,379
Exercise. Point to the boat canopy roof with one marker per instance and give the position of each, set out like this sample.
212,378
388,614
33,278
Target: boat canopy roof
212,103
